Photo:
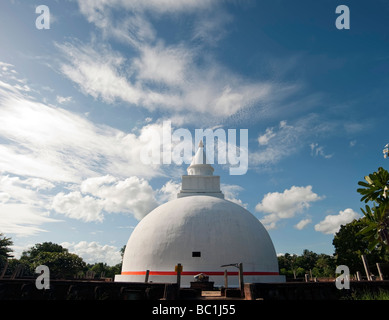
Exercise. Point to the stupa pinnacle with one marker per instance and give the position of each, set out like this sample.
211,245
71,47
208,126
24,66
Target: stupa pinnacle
200,179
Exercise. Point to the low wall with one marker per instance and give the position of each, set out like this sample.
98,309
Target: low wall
25,289
309,290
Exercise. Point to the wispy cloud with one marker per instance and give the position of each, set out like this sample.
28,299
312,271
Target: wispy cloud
317,150
52,147
23,205
63,100
288,138
161,77
177,78
43,147
51,143
279,142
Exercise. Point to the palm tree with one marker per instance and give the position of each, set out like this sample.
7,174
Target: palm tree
377,217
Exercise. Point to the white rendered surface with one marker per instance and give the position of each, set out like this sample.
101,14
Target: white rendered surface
222,231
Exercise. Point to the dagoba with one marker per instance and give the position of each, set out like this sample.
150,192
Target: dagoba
202,231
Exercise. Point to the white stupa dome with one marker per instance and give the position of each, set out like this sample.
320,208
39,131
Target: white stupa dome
201,231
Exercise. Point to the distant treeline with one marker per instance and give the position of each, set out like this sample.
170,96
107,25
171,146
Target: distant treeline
62,264
349,245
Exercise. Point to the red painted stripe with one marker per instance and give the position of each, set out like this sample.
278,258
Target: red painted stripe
193,273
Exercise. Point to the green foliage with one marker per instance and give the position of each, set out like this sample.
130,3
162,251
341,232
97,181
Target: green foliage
122,250
296,266
61,263
371,295
375,186
103,270
4,248
350,244
44,247
376,231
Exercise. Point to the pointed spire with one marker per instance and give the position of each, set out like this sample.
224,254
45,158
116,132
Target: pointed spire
200,180
199,157
199,165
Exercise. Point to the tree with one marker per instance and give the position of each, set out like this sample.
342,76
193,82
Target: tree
101,268
122,250
320,265
325,266
377,229
43,247
307,260
375,189
287,265
350,244
4,248
61,263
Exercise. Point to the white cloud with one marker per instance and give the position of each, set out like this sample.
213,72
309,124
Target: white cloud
265,138
285,205
169,191
132,195
280,142
64,100
43,147
22,219
212,26
302,224
161,64
4,197
99,73
54,144
161,77
23,208
176,77
39,184
5,66
277,143
317,150
109,194
91,7
231,193
332,223
77,206
18,190
94,252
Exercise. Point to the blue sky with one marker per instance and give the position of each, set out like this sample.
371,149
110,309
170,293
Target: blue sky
77,101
